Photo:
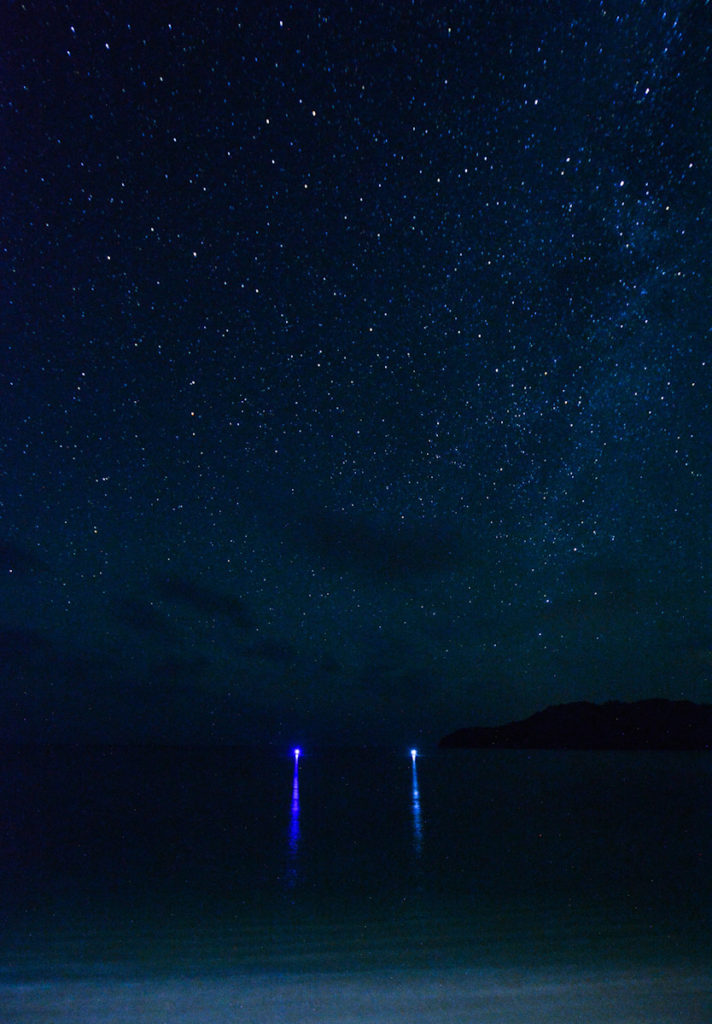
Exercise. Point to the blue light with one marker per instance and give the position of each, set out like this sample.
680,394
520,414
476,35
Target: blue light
297,752
413,754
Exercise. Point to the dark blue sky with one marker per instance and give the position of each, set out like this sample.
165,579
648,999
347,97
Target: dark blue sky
356,365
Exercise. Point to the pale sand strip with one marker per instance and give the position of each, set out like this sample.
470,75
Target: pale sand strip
457,996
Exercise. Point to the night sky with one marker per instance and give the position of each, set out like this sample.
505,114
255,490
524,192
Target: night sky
356,365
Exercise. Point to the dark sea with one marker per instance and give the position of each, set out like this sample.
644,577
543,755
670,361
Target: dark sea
216,885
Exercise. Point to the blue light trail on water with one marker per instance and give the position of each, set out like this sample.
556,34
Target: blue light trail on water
415,805
292,869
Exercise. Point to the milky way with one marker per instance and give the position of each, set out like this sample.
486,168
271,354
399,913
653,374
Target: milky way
356,366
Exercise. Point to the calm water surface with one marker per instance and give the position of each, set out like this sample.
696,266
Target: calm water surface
130,866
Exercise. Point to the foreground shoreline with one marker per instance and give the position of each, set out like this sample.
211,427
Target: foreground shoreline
643,995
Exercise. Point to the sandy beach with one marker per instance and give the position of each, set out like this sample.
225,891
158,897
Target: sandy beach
460,996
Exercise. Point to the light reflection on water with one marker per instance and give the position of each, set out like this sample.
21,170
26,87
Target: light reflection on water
293,849
417,818
212,858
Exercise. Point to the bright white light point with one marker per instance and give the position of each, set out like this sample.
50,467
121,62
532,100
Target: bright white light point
413,754
297,752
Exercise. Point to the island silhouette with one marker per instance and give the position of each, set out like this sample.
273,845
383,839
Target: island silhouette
654,724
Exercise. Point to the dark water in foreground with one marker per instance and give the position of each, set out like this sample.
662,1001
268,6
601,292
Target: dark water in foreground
480,886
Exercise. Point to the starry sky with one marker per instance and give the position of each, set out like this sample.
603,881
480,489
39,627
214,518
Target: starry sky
356,365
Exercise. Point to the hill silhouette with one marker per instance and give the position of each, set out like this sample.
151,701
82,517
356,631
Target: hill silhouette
654,724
